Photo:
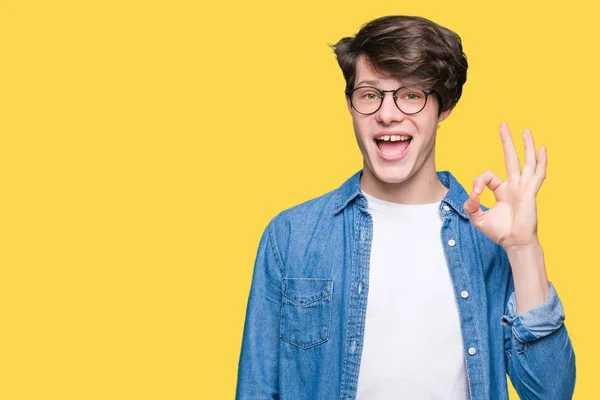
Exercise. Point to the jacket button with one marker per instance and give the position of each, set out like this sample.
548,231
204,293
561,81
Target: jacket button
464,294
353,347
472,351
451,242
446,208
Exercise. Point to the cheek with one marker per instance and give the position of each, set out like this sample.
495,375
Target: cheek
361,123
360,134
358,126
428,127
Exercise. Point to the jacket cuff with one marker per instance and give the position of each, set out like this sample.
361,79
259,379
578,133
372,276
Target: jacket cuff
536,323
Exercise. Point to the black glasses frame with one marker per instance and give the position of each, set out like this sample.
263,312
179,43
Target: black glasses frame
349,93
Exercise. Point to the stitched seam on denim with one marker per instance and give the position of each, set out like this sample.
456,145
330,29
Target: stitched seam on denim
330,308
330,314
471,304
365,268
351,314
341,203
523,349
446,222
304,347
478,249
275,250
345,361
517,335
278,260
534,336
527,336
281,315
444,177
507,320
307,304
309,279
322,293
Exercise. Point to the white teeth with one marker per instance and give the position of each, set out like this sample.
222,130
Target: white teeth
394,138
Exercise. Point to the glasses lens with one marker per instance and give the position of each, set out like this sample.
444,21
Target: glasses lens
366,100
410,100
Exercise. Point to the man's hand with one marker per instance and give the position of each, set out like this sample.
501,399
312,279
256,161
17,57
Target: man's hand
512,222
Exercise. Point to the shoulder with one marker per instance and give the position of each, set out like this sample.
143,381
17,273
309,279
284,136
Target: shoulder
304,214
317,220
319,209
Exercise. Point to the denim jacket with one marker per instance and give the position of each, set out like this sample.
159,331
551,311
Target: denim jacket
305,320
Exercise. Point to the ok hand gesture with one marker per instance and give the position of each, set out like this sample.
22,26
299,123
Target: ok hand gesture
512,221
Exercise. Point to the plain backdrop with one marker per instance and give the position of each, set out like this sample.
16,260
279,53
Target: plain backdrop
145,145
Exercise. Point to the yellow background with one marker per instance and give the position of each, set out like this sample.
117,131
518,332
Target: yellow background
145,145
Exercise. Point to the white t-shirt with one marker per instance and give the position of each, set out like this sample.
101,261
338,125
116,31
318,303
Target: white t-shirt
413,344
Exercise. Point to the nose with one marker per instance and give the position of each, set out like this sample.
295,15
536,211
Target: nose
388,112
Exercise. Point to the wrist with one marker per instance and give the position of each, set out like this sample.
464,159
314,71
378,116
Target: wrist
532,245
529,272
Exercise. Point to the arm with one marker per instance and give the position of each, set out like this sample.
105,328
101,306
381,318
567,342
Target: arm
258,366
540,358
539,355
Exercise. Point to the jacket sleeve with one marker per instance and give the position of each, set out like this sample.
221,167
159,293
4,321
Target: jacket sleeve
258,364
539,354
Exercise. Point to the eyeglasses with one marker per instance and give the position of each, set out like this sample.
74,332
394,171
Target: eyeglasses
368,99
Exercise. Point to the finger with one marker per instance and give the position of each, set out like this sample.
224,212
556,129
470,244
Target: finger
540,169
529,166
489,179
513,170
473,208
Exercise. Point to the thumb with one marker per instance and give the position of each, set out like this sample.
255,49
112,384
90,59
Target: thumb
473,209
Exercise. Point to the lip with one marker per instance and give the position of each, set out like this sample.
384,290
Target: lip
386,157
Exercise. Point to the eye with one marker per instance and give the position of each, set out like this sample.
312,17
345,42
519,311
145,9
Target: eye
366,95
411,95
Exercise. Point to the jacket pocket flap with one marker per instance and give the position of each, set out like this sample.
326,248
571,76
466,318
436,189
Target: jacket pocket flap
304,291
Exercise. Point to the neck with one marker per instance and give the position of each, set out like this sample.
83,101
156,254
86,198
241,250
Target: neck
423,187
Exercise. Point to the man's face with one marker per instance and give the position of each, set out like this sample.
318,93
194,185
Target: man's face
394,161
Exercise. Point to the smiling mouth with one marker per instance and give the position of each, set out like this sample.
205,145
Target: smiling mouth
393,145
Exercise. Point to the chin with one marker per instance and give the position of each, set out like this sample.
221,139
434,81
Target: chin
391,175
394,179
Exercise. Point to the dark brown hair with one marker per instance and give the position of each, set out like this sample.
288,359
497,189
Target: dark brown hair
414,50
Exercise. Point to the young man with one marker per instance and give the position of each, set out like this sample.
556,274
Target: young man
398,285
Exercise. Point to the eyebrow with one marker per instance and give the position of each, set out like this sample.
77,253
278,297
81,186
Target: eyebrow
368,82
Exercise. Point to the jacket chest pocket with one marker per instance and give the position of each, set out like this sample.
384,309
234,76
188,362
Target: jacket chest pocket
306,311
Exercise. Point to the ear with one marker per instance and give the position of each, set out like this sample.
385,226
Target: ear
444,114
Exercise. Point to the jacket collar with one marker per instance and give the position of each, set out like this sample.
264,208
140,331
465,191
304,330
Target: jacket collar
455,198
